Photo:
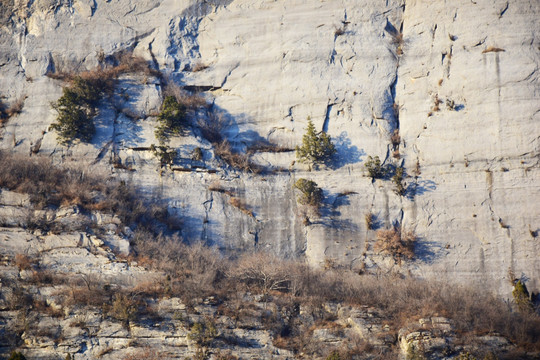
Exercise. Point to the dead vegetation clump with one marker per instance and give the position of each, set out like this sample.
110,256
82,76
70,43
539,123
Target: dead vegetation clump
268,147
235,159
492,49
54,186
197,272
123,62
240,205
396,242
6,112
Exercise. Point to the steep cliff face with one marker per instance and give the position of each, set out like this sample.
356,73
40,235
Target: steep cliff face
459,82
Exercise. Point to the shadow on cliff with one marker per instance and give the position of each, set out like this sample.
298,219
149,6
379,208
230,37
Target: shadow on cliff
427,252
420,187
329,213
347,153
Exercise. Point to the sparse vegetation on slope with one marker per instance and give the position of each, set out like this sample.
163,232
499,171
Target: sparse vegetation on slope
53,186
78,105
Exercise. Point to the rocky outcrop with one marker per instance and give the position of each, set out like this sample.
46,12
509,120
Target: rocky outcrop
460,91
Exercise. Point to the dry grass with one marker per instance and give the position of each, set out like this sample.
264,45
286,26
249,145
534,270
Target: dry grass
267,147
6,112
338,31
241,205
199,66
370,220
50,185
236,160
23,262
396,242
492,49
124,62
436,103
192,101
395,139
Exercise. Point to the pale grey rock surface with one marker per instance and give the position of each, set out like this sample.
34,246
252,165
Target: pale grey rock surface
273,64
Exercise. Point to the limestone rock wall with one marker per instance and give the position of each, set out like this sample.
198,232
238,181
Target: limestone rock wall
360,71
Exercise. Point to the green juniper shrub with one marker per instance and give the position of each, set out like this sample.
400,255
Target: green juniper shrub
197,154
171,119
203,333
165,154
334,356
16,356
310,193
397,179
317,148
76,110
374,167
522,297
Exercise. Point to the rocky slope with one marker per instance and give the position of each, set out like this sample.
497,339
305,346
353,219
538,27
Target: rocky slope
458,81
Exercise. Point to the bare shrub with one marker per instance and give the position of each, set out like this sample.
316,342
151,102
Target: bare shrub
191,101
370,220
23,262
396,242
395,139
212,126
48,184
241,205
199,66
145,353
236,160
6,112
261,271
264,146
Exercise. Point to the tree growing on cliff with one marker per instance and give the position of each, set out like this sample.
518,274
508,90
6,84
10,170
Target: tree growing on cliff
310,193
76,109
317,147
171,119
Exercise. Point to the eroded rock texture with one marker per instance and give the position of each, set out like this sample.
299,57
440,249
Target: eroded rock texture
458,81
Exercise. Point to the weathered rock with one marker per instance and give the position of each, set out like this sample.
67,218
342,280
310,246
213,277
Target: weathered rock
360,71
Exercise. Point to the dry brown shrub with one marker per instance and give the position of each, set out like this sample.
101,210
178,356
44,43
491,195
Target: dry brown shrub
492,49
146,353
191,101
212,126
395,138
264,146
236,160
370,220
241,205
261,271
24,262
397,242
199,66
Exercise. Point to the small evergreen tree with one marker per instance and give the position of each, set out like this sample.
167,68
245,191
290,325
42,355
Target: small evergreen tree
374,167
311,194
397,179
16,356
76,110
522,297
333,356
74,119
317,148
171,119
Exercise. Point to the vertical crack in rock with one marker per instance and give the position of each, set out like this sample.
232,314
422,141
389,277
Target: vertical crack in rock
327,116
207,208
449,62
503,10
